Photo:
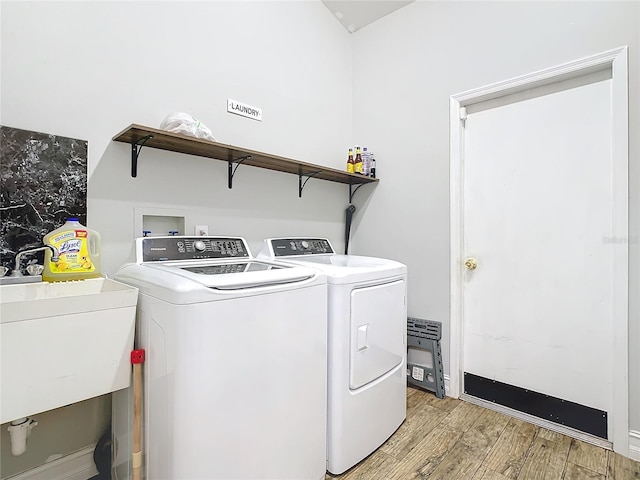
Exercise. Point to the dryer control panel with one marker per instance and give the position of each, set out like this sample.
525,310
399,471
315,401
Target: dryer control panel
285,247
161,249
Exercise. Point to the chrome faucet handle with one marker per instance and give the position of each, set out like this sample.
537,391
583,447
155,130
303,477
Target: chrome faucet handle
35,269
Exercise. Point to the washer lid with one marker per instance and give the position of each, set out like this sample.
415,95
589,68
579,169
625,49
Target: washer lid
232,275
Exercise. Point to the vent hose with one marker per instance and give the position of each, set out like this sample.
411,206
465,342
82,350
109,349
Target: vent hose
347,230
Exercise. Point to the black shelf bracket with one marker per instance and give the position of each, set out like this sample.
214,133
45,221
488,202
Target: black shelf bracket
232,171
352,191
135,152
301,184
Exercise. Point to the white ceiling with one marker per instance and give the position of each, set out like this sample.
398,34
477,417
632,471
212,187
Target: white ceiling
355,14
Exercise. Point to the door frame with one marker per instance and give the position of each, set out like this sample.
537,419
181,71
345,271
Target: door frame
616,61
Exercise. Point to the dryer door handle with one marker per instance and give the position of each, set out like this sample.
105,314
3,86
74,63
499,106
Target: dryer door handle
362,337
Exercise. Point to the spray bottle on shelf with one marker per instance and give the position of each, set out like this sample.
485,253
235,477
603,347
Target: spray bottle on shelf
78,251
366,161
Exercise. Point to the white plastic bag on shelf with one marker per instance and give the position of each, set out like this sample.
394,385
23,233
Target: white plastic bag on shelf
180,122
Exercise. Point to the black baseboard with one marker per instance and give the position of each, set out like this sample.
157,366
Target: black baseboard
553,409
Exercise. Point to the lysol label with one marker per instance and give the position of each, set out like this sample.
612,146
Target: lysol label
70,246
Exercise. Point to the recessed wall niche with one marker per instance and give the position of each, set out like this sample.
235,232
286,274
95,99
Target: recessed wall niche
43,181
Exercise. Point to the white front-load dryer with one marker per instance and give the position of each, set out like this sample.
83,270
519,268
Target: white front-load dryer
236,363
367,350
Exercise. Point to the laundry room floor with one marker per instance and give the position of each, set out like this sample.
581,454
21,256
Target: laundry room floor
449,439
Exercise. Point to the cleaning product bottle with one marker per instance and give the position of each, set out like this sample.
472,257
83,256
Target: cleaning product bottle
357,166
366,161
350,163
78,253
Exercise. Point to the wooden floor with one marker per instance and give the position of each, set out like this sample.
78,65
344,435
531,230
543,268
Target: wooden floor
449,439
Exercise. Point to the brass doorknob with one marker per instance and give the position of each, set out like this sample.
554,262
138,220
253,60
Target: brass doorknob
471,263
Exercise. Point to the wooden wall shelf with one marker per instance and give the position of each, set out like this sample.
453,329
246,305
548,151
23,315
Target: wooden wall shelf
138,136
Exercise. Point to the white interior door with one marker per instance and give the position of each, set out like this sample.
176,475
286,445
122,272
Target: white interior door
538,210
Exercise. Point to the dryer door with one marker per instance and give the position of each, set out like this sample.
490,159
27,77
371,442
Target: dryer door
378,331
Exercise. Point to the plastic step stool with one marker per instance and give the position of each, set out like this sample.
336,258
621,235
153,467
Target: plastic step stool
424,357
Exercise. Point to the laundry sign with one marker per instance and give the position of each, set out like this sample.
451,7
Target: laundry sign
244,110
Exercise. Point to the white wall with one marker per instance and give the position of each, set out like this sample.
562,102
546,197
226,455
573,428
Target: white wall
408,64
89,69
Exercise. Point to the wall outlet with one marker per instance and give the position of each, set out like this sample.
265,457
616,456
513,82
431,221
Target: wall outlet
201,230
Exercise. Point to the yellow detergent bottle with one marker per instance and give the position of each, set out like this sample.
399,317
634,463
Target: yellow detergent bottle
78,250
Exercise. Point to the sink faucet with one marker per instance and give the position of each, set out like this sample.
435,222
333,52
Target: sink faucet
55,256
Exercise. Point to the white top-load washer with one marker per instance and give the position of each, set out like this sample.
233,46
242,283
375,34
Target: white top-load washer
367,345
236,361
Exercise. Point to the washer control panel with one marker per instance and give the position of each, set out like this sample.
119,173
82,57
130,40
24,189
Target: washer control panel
285,247
160,249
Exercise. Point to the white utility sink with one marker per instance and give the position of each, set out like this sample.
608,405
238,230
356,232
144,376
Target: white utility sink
63,342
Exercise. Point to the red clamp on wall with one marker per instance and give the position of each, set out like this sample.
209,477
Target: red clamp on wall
137,356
